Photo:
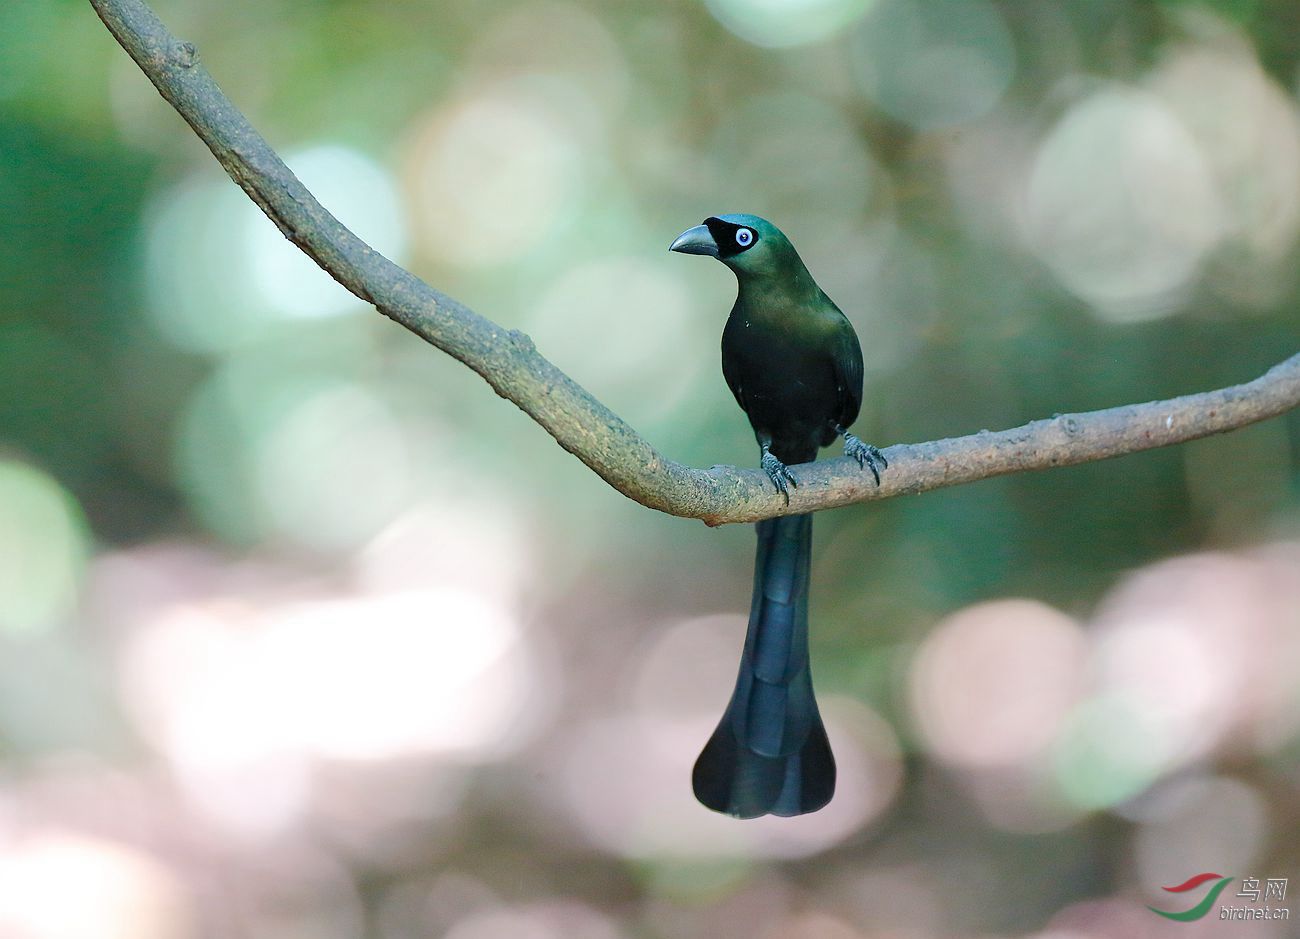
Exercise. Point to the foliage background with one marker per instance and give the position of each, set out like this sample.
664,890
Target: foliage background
304,632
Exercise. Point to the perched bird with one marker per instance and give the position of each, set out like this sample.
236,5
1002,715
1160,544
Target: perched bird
793,362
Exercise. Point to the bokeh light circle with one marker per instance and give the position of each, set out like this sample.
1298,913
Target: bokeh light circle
638,335
1121,205
312,464
44,544
355,189
993,682
934,63
783,23
220,274
1204,824
497,171
62,884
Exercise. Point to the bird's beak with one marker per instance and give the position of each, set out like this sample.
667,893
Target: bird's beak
695,240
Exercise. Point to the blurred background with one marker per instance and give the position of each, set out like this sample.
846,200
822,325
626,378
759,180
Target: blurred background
304,632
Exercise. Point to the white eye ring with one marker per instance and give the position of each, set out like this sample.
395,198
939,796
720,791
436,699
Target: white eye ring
744,237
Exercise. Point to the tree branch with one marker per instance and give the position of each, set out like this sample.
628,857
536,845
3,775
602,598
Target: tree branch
582,425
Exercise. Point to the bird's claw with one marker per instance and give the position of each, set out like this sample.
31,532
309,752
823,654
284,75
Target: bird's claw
866,455
779,473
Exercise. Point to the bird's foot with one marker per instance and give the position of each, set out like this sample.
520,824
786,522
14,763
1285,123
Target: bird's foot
866,455
779,473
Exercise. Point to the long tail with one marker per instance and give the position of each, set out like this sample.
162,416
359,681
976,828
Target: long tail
770,753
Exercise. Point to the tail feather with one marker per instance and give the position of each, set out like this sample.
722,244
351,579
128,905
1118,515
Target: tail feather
769,754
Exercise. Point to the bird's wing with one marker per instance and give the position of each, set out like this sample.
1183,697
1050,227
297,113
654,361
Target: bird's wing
732,368
846,363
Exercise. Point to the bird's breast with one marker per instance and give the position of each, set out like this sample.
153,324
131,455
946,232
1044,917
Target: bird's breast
782,377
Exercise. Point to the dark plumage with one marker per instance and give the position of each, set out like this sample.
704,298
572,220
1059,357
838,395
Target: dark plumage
793,362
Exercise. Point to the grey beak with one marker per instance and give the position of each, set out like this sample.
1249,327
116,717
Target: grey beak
695,240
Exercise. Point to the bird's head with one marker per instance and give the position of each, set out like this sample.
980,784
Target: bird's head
749,245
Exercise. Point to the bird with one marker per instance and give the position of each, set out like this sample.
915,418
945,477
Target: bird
794,364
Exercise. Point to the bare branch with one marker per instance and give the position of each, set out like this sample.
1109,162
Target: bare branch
585,427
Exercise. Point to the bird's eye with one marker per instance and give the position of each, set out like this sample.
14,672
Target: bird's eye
744,237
